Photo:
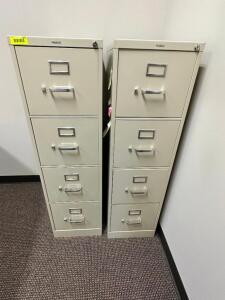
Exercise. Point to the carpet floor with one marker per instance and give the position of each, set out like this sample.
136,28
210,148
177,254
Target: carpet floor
34,265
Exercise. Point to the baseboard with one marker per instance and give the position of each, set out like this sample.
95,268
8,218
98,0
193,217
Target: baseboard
22,178
176,275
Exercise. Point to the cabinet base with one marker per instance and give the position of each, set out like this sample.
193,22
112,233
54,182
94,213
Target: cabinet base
131,234
77,233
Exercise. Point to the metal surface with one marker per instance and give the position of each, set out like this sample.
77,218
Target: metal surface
57,150
138,191
57,178
49,94
61,89
159,45
163,73
140,179
68,147
130,151
77,93
142,96
152,92
61,42
66,131
90,213
151,183
72,177
73,188
146,134
137,103
61,63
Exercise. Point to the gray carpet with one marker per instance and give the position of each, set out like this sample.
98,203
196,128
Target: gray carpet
34,265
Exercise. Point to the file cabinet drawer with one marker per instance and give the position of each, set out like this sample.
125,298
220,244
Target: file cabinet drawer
72,184
76,216
144,143
62,141
153,83
139,186
60,81
134,217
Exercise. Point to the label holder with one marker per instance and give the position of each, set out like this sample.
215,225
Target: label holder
146,134
151,74
140,179
72,177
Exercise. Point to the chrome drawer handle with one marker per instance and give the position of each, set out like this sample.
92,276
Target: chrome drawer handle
69,147
152,92
137,192
148,150
144,150
61,89
75,219
75,188
132,221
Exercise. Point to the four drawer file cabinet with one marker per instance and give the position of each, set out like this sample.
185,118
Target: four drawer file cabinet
61,82
152,83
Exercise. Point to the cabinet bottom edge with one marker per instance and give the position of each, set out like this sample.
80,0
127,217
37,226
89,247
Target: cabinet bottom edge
77,232
131,234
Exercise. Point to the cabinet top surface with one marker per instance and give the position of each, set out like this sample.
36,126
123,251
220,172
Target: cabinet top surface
159,45
24,41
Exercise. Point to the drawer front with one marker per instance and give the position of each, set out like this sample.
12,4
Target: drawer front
60,80
131,217
69,184
153,83
66,140
144,143
138,186
76,216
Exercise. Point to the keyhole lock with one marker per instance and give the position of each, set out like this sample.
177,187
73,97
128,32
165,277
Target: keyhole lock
130,148
136,90
44,89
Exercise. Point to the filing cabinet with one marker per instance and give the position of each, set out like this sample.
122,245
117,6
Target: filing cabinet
61,84
151,84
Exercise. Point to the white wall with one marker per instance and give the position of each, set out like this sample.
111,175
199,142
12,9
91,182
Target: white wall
194,215
72,18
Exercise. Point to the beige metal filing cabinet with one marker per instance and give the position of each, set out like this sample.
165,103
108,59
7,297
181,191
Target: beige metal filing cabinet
61,82
152,82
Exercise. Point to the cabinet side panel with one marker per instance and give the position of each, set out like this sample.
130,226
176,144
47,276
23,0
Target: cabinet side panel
19,80
112,132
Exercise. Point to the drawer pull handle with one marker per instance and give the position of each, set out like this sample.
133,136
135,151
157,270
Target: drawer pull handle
78,219
76,188
69,147
137,192
149,150
132,221
61,89
72,190
153,92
